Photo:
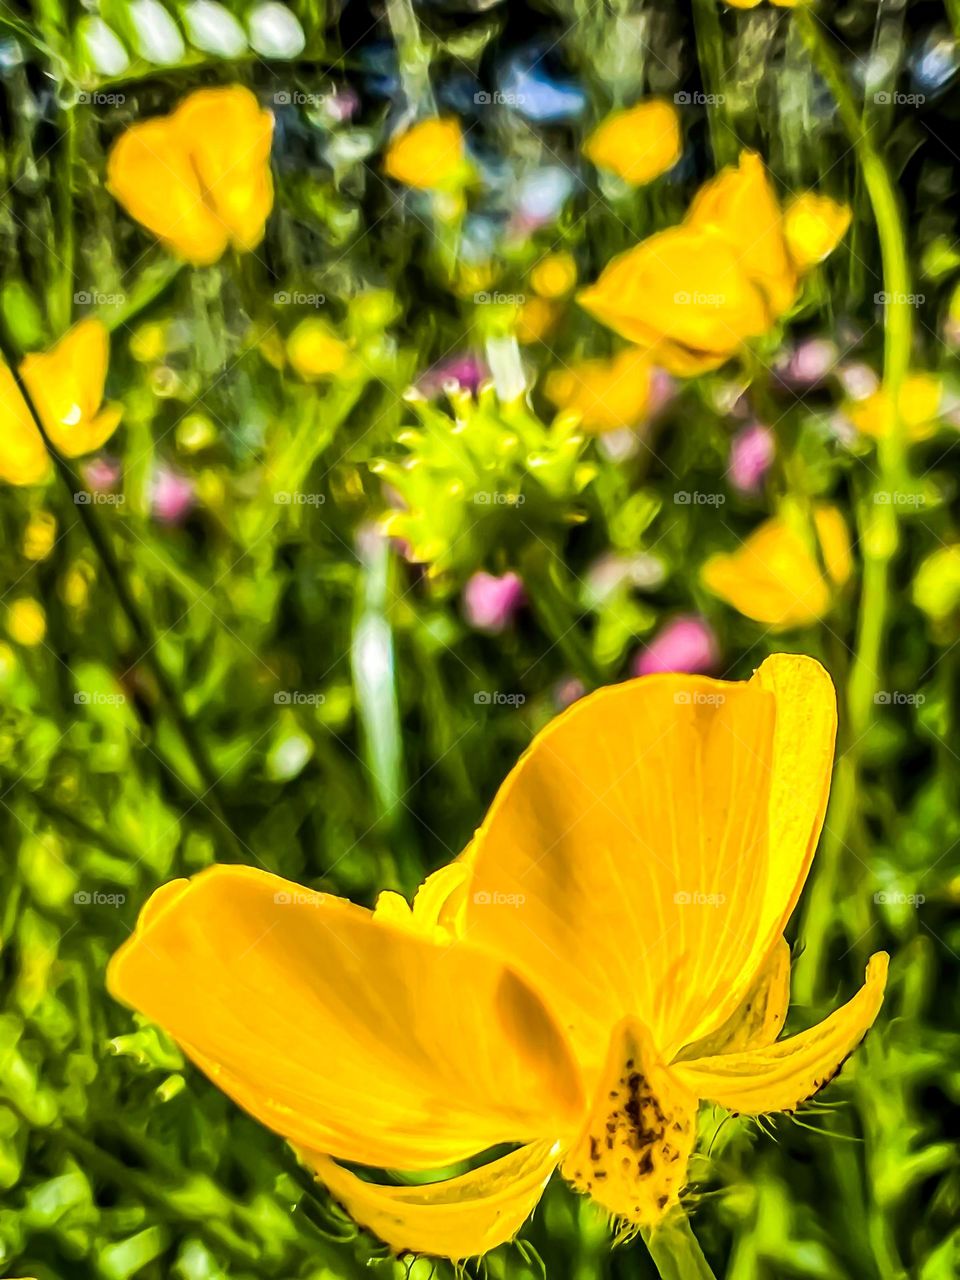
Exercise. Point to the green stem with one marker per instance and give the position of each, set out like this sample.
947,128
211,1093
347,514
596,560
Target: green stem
710,46
877,520
675,1251
136,620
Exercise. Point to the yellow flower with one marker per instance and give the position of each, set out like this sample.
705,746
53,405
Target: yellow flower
554,276
199,179
920,398
66,384
774,577
429,156
535,318
26,622
752,4
315,351
814,226
695,293
40,535
573,986
605,394
639,143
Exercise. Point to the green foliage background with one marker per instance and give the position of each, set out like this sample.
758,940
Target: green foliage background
115,1160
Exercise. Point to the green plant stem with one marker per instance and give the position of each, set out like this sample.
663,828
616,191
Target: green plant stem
877,521
675,1251
138,624
710,46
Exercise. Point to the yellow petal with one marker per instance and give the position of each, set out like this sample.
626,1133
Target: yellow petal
429,155
343,1033
639,143
741,206
813,226
66,384
618,866
785,1074
605,394
150,173
228,136
774,578
632,1154
684,285
554,276
920,397
456,1219
760,1017
315,351
23,455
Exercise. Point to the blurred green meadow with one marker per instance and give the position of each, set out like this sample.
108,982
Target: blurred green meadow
343,556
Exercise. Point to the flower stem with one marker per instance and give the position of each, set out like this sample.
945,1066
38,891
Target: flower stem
208,794
877,519
675,1251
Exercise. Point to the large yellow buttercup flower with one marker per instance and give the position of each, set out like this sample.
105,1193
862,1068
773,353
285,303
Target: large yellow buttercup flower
199,179
430,155
695,293
608,953
639,143
774,576
66,385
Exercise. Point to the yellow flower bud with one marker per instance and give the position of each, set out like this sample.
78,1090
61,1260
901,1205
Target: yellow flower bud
315,351
638,144
26,622
428,156
813,226
605,394
920,398
535,318
39,535
554,276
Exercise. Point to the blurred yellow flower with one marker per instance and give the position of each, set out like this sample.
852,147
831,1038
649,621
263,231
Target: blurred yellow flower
429,156
814,226
605,394
695,293
26,622
639,143
39,535
66,384
520,1000
775,578
554,276
535,318
920,398
199,178
315,351
752,4
936,584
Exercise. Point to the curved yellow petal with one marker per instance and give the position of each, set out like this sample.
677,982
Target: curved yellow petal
151,173
618,866
813,226
66,384
430,155
774,578
345,1034
759,1018
683,284
741,206
780,1077
639,143
456,1219
228,135
605,394
23,455
632,1154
